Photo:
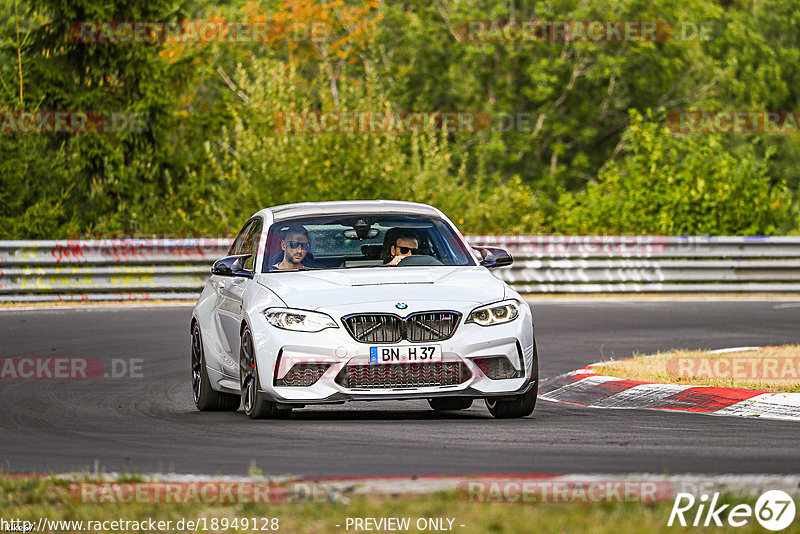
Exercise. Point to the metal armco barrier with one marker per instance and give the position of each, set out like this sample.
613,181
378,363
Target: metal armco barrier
621,264
170,269
110,269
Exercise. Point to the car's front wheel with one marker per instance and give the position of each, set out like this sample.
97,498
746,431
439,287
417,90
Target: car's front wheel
521,405
205,398
254,403
444,404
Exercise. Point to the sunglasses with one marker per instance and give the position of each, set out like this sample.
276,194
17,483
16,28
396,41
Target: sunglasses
406,250
295,244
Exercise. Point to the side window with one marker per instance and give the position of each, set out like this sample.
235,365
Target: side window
250,243
237,243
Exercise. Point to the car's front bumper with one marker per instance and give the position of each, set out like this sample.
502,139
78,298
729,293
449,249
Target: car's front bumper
278,350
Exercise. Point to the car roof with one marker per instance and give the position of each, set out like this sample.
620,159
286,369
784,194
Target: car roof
351,207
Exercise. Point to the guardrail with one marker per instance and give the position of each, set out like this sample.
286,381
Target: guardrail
108,269
169,269
622,264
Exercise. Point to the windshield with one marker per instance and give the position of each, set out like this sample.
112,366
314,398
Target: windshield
379,241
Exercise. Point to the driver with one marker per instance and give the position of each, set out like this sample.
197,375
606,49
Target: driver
404,246
295,246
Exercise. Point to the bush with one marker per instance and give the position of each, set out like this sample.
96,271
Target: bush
676,185
257,163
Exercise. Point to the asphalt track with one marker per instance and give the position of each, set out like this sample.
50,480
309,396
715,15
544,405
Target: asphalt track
149,424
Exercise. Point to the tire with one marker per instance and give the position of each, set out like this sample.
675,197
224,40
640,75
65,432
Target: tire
521,405
206,399
254,403
444,404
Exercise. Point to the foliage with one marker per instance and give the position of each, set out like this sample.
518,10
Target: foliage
257,164
211,154
575,510
90,181
676,185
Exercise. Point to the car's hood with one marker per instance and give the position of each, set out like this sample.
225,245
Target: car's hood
415,286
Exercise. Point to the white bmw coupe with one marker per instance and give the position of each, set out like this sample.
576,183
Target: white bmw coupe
327,302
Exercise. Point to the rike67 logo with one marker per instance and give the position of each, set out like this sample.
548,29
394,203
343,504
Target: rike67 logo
774,510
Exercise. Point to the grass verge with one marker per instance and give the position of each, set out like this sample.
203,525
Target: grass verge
32,498
775,369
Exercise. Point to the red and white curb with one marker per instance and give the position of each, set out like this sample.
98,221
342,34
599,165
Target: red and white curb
584,387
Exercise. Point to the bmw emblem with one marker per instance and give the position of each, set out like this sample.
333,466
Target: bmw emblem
401,305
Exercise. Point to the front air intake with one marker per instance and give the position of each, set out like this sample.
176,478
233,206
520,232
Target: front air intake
403,375
389,328
303,375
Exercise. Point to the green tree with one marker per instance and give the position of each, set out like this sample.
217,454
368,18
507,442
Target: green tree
262,161
676,185
578,94
107,177
212,151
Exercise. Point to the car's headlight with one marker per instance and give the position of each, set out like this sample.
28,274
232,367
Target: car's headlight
497,313
299,320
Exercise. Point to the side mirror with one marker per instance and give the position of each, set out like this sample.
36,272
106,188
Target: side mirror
232,266
495,257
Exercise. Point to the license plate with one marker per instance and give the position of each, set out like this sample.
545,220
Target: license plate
405,354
